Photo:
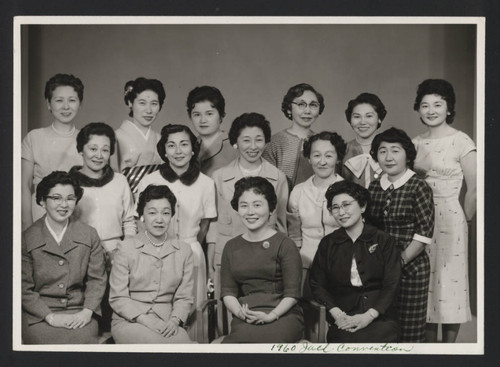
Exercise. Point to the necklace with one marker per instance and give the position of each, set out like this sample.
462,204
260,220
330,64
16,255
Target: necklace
156,244
69,133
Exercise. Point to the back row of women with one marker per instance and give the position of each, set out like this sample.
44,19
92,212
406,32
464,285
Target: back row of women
393,278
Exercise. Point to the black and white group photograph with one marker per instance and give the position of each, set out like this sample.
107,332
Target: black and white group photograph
274,185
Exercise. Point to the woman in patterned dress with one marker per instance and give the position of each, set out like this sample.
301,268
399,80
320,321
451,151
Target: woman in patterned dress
137,155
302,104
365,114
402,206
51,148
445,156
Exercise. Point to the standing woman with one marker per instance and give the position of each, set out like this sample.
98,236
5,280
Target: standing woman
194,191
50,148
249,134
365,114
137,155
107,203
309,219
402,206
261,274
63,272
206,110
445,156
302,105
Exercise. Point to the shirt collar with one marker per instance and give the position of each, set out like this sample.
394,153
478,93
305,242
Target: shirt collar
385,183
340,235
59,237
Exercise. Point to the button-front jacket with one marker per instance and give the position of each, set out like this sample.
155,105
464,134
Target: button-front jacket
61,277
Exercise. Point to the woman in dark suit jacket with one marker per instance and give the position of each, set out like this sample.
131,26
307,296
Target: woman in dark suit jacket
356,272
63,272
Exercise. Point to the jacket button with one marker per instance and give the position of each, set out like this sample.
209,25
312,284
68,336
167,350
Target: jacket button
61,285
365,297
63,300
61,262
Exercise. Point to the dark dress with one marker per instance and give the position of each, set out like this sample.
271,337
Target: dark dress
406,212
261,274
377,261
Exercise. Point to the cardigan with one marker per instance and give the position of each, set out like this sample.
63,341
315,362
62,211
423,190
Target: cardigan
61,277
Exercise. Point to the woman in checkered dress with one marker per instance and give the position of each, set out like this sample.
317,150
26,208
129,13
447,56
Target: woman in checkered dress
403,207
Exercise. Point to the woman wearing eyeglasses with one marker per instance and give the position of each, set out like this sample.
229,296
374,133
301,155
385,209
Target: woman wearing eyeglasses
356,272
63,272
302,105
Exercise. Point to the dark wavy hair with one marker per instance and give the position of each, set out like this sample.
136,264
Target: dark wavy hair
95,128
251,119
297,91
166,171
154,192
356,191
63,80
258,185
57,178
440,87
394,135
334,138
135,87
370,99
209,94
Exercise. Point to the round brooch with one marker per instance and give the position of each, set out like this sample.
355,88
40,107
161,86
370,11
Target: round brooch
266,244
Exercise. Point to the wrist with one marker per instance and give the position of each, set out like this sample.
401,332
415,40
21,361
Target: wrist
176,320
49,318
404,259
373,313
275,315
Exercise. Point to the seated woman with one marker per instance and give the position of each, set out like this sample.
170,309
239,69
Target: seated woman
152,277
261,272
63,272
308,218
356,272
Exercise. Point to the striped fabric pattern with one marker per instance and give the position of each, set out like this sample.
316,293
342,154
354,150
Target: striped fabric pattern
134,175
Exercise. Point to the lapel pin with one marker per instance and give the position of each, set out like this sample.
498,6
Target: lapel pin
266,244
372,248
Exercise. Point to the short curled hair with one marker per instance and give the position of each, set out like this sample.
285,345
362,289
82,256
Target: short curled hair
334,138
57,178
209,94
370,99
252,119
169,129
354,190
63,80
440,87
95,128
297,91
155,192
135,87
259,185
394,135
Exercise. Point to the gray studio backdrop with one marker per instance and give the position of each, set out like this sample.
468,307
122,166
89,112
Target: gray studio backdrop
253,66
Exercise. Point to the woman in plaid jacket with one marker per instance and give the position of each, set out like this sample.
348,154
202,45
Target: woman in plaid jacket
402,206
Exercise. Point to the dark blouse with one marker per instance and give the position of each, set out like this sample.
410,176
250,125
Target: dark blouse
377,260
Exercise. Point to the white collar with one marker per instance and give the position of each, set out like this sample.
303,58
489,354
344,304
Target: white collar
58,238
145,136
385,183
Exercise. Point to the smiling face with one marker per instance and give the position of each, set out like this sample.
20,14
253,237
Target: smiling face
64,104
96,154
251,143
179,151
306,117
254,211
364,120
392,159
145,108
58,213
347,211
323,158
205,118
433,110
157,215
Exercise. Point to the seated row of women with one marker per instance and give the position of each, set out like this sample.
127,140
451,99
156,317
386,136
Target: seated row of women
402,203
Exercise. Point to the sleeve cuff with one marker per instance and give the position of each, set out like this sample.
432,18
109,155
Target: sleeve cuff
422,239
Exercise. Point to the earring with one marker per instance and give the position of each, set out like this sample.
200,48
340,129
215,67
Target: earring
448,113
235,146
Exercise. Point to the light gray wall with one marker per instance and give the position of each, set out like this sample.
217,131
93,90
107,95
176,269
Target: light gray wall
253,66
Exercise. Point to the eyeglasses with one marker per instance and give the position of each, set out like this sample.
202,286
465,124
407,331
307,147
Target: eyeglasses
58,200
314,106
346,205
